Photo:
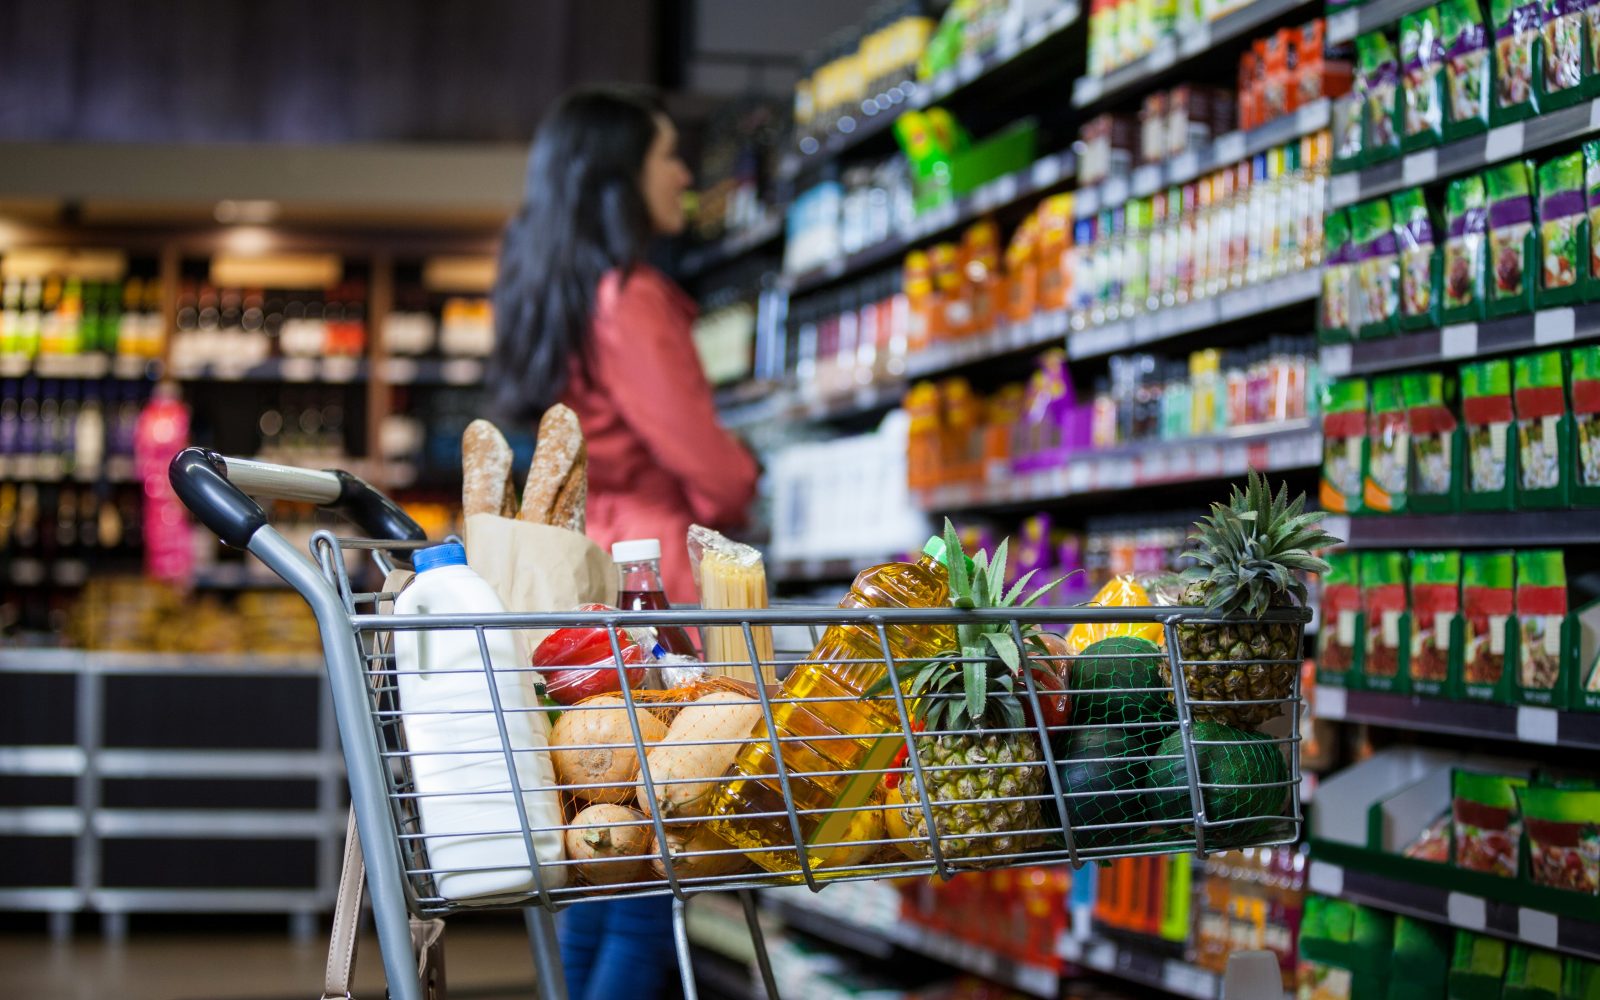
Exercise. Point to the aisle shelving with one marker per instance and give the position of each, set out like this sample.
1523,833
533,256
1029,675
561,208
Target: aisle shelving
1345,25
79,366
1505,142
971,71
332,370
1132,79
1479,720
1441,904
1145,968
1292,446
699,260
1546,327
1523,528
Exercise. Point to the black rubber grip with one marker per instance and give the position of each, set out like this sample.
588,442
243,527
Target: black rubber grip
200,481
375,514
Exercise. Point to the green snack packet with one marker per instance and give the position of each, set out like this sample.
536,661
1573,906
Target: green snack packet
1377,268
1486,828
1422,80
1466,68
1421,264
1488,418
1532,974
1591,170
1516,36
1436,443
1340,650
1338,279
1563,231
1542,627
1421,961
1544,431
1465,250
1435,606
1388,448
1561,56
1349,136
1379,68
1586,425
1580,979
1478,968
1563,833
1512,243
1383,594
1488,599
1344,447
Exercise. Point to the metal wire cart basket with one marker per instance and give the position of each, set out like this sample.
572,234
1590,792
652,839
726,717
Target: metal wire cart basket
824,761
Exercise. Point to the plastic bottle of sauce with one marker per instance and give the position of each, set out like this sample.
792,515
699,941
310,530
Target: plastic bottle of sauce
639,588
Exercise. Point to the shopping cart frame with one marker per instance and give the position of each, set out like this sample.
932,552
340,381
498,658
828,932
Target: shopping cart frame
218,490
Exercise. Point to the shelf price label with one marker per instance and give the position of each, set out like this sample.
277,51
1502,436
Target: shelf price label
1459,340
1047,171
1466,911
1228,149
1343,26
1325,879
1538,725
1538,928
1421,167
1554,326
1503,142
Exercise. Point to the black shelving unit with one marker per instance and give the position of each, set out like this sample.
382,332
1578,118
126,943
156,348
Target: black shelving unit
1478,720
1545,328
1511,529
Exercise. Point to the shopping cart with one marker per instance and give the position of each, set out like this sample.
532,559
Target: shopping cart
1137,769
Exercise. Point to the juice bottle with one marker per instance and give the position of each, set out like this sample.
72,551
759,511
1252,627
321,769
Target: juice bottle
843,668
639,588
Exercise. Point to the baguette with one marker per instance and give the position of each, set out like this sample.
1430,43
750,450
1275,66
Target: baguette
485,469
557,454
571,509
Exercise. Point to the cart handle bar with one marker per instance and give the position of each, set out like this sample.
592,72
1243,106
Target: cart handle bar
218,491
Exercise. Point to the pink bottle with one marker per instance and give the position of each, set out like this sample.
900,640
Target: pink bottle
161,432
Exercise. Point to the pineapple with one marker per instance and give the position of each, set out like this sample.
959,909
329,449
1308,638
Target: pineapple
1247,554
968,695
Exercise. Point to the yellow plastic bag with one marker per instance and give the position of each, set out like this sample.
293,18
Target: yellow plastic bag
1120,592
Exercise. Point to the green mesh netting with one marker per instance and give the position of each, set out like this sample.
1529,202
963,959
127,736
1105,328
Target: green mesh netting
1244,758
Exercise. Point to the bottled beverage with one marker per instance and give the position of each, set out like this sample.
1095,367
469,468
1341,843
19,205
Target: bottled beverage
844,668
639,588
469,817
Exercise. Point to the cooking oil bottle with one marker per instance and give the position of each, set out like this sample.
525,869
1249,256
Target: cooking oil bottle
837,728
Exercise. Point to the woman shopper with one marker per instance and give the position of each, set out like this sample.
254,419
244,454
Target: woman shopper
582,319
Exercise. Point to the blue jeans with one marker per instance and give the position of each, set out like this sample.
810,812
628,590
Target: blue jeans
619,948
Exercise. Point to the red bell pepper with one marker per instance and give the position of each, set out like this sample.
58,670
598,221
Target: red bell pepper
570,650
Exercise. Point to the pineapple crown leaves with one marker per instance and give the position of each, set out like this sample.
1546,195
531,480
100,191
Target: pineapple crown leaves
1247,552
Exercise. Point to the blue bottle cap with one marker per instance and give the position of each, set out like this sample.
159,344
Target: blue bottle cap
448,554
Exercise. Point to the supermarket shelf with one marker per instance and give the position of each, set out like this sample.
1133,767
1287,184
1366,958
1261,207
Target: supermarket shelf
1479,720
971,72
37,572
1145,968
84,366
1147,328
323,370
702,259
1490,529
1042,175
1474,913
1225,150
788,404
118,470
881,942
433,371
1345,25
1283,448
78,661
1137,75
1504,143
1545,328
1049,328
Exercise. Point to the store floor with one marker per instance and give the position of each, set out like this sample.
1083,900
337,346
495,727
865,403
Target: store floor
484,962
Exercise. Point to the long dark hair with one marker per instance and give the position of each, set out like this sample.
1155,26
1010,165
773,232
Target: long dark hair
583,214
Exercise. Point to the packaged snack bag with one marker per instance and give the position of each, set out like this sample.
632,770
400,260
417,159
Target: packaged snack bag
1339,638
1338,306
1377,268
1591,184
1383,587
1563,231
1465,250
1488,599
1423,84
1344,447
1541,627
1421,263
1488,416
1563,829
1435,604
1512,243
1561,54
1466,75
1388,448
1487,827
1586,425
1436,448
1380,73
1349,137
1544,430
1517,26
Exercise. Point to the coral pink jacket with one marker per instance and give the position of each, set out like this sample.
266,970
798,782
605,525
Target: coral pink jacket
659,459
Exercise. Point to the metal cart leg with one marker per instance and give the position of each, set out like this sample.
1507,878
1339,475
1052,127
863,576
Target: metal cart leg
680,937
551,978
748,900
